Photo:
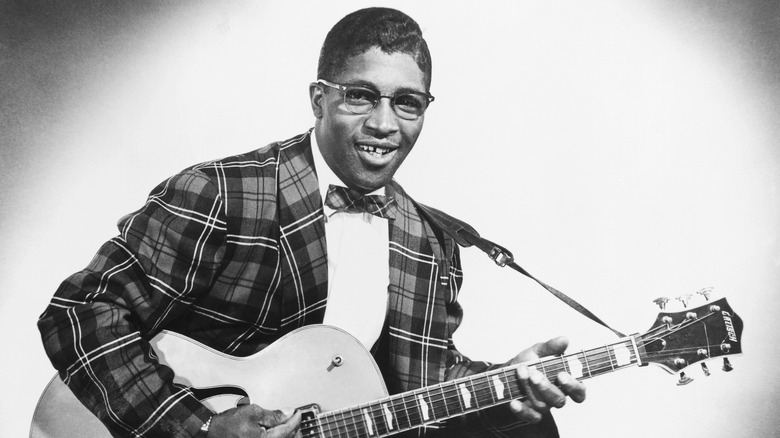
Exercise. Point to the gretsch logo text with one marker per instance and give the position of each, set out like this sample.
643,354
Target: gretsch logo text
729,326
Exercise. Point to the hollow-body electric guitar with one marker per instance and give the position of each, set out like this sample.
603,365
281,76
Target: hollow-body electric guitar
341,393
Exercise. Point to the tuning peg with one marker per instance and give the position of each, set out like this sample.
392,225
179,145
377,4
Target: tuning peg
705,369
684,298
661,301
706,292
684,380
727,365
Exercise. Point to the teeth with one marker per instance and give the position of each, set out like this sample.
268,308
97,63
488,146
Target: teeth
373,150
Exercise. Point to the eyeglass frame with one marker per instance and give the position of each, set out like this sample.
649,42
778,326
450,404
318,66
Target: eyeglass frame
344,87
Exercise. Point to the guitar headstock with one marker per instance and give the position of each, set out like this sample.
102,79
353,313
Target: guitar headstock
680,339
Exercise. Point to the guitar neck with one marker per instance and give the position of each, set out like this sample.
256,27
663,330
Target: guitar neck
432,404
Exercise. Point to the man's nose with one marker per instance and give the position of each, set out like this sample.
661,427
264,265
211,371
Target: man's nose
383,119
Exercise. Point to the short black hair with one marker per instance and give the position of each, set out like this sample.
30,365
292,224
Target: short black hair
390,30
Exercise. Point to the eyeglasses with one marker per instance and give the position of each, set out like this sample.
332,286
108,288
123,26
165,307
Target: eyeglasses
360,99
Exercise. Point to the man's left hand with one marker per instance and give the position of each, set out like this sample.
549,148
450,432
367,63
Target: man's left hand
541,394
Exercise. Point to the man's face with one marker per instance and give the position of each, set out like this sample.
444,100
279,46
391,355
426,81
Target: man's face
365,150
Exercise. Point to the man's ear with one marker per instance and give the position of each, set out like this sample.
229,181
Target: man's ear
316,97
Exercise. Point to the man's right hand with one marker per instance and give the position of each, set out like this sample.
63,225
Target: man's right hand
254,421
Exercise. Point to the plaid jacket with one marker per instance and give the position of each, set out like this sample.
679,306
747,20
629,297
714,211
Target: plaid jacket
232,254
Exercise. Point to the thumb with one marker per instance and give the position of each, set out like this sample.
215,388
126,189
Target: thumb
287,428
552,347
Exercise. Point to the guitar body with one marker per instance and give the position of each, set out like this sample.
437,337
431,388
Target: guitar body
314,364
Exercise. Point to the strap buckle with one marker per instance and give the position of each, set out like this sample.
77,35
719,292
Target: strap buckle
501,256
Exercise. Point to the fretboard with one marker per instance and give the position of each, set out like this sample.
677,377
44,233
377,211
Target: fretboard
401,412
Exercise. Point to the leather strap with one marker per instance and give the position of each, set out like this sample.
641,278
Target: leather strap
465,235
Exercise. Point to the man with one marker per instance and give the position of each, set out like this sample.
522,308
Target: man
237,252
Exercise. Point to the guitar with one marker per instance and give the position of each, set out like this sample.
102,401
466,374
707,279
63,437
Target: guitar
342,392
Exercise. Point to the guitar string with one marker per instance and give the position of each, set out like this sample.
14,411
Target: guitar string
435,400
439,399
669,329
360,428
483,383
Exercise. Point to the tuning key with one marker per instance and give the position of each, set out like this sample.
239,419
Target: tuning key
661,301
684,298
705,369
727,365
706,292
684,380
714,308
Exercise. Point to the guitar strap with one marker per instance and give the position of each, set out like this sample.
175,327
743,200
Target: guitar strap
465,235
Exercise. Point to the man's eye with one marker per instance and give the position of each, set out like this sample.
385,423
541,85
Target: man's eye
409,102
360,95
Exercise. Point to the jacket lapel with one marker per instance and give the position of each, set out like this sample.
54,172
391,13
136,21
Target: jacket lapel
302,237
417,329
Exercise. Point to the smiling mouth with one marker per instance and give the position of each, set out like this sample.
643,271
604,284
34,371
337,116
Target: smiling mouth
376,151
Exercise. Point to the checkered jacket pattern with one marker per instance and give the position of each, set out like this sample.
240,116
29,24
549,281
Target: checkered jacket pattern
232,254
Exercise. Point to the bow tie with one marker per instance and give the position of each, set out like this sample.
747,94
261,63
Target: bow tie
343,199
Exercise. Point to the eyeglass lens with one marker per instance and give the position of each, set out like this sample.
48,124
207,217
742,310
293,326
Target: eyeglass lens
361,100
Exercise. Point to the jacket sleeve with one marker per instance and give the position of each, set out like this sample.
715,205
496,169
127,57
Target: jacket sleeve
96,327
497,421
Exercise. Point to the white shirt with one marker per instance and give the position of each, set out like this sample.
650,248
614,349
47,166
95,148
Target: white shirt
358,263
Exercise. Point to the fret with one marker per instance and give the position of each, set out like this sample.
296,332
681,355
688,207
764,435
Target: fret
455,397
609,356
490,389
565,365
323,426
355,420
342,420
331,424
635,349
359,425
380,422
544,371
511,382
438,405
451,395
387,418
406,420
484,391
562,362
377,419
474,393
445,401
587,363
